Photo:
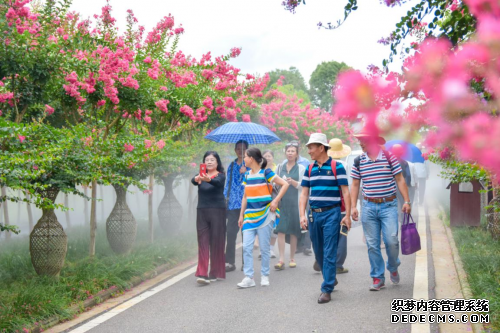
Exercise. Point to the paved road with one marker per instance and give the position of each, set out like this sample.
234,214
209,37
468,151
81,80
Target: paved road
288,305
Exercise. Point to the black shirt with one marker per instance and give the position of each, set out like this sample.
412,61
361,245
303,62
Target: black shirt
211,194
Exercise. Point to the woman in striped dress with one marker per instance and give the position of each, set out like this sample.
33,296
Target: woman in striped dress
259,213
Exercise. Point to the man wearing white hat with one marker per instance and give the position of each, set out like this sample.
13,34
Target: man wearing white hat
322,184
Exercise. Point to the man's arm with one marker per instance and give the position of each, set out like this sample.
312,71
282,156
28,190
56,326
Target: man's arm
354,198
403,189
304,196
347,202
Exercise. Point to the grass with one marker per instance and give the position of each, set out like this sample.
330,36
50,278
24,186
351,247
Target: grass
480,255
27,299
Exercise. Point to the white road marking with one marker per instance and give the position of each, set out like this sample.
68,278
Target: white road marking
133,301
421,280
128,304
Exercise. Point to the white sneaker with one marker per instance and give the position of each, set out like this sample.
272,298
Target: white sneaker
202,281
246,283
264,281
272,254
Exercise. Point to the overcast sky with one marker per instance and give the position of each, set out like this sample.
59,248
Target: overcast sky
270,36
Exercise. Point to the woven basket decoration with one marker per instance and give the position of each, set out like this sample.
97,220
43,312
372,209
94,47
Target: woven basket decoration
48,242
494,218
121,227
169,210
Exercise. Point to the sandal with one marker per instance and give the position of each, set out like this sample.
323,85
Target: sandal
292,264
280,266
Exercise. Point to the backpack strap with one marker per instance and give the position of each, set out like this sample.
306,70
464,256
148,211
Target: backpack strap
334,168
388,155
310,169
357,162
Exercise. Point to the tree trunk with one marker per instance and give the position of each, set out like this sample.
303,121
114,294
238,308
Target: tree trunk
30,213
170,210
150,207
121,226
66,204
93,222
5,205
18,222
101,190
48,241
85,205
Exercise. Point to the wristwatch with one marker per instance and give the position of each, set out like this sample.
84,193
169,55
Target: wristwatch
407,202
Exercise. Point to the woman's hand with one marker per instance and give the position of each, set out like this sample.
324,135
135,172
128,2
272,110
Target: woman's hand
274,206
240,222
197,179
243,169
205,178
290,181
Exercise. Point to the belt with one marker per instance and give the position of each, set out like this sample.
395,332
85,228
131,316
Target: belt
381,200
324,209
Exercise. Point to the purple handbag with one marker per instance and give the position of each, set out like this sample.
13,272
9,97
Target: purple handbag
410,240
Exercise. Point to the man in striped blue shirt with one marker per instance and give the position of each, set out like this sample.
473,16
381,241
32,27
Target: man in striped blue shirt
323,187
380,172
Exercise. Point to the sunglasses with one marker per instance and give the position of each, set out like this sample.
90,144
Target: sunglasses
292,144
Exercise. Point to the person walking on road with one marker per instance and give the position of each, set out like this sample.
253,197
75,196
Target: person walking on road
322,188
409,174
380,171
304,242
259,214
233,192
289,225
211,220
269,156
337,151
423,173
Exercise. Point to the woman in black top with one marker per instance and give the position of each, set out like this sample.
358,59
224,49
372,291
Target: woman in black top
211,220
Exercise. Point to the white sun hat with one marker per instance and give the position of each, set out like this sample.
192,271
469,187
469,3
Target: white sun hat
318,138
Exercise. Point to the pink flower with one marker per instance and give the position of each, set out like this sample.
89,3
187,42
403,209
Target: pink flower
235,51
193,165
246,118
148,192
160,144
128,147
101,102
147,60
187,111
208,103
147,143
21,138
147,119
35,167
49,109
162,105
131,165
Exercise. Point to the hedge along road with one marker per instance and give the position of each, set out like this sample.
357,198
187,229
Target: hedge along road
289,304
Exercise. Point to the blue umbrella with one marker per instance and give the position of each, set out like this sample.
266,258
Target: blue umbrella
250,132
412,153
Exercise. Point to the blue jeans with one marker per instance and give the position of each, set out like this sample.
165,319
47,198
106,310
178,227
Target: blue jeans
376,218
324,231
264,234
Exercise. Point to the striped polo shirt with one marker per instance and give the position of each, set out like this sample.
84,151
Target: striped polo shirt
324,188
377,176
258,191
